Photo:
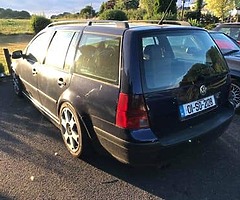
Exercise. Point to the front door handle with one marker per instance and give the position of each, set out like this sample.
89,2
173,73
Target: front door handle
34,71
61,82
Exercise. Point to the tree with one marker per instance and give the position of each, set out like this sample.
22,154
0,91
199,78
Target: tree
195,13
199,4
24,15
162,6
237,4
12,14
136,14
113,15
126,4
102,8
157,7
148,5
220,8
87,12
110,4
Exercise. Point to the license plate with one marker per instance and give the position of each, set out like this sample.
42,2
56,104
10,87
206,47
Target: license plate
197,106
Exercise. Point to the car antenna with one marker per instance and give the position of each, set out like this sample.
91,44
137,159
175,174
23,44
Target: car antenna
165,13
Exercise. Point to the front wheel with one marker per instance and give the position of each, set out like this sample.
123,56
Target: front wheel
72,130
235,90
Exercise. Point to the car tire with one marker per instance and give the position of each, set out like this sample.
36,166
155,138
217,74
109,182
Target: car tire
235,90
17,85
72,130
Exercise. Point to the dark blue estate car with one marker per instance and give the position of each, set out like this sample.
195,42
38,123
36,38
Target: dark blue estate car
135,89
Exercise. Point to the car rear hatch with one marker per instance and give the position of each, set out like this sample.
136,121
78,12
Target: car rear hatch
185,79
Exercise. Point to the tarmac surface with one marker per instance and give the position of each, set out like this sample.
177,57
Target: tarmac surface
34,164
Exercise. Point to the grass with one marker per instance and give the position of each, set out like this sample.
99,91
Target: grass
14,35
15,26
12,43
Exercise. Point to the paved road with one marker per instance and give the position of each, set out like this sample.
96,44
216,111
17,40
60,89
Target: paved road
34,164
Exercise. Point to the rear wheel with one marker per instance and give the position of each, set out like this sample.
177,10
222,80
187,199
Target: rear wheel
17,85
235,90
72,130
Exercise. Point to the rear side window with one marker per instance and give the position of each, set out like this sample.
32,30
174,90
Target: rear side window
173,59
98,57
58,49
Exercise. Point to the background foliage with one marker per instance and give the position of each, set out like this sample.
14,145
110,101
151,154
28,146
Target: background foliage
220,8
113,15
11,14
39,22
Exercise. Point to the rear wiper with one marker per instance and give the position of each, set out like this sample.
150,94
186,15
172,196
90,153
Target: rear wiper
231,52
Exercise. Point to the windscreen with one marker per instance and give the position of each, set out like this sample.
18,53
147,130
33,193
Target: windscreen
177,58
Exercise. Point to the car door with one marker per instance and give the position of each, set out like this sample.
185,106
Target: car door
54,75
35,52
95,80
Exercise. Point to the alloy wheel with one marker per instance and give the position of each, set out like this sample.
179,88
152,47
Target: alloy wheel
70,130
235,90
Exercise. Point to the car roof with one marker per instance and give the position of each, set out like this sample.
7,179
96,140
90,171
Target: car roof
237,24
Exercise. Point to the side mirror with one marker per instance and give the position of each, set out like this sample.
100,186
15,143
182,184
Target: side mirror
17,54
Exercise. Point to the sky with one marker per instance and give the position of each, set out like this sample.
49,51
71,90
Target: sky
50,7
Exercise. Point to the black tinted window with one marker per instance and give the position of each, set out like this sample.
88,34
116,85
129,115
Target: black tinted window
98,57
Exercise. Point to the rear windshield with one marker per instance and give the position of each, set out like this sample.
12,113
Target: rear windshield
233,32
226,44
173,59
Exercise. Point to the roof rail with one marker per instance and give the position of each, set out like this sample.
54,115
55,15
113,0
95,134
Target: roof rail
67,22
144,21
119,24
164,22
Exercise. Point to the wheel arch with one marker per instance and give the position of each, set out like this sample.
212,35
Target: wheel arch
235,78
68,97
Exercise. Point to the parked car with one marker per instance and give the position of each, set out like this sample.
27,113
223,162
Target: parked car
137,90
231,29
231,51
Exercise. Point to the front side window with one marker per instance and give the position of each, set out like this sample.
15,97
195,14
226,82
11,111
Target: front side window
36,51
179,58
98,57
58,49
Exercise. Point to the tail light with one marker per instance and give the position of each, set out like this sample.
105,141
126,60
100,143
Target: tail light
131,112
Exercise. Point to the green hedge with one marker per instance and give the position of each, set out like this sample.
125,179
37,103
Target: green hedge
39,22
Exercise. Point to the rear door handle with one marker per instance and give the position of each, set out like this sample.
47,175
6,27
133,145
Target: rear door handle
61,82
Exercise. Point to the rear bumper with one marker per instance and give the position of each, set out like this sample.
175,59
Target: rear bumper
148,153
